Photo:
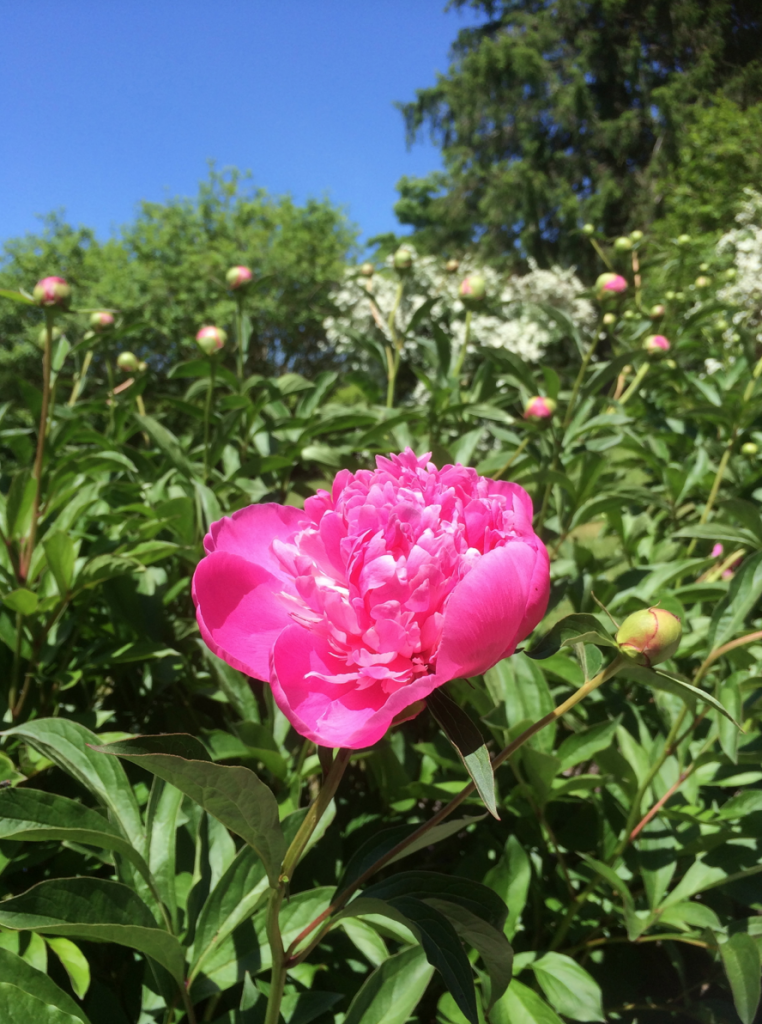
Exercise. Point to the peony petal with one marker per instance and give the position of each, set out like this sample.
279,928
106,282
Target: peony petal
333,714
239,612
251,531
486,611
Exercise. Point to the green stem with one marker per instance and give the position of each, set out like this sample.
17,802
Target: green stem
447,810
79,381
239,335
16,671
513,457
602,254
208,414
42,431
393,361
716,484
636,382
275,939
463,348
580,377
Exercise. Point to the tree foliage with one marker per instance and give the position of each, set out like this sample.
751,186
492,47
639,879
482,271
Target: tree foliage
563,112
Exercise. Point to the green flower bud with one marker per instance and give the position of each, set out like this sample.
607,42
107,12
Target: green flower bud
472,288
609,319
452,266
704,267
703,282
730,274
623,244
657,312
749,448
680,296
669,296
367,269
588,229
650,636
403,260
636,236
629,314
721,324
684,239
128,362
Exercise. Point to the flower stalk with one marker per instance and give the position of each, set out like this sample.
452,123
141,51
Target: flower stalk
28,551
393,354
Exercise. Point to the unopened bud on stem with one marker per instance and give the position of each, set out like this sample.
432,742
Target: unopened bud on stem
101,321
403,260
211,339
650,636
539,408
128,362
238,277
52,293
472,288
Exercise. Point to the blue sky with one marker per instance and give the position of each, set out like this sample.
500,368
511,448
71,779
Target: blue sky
107,103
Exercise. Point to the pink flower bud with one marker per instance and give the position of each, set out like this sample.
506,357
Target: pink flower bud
656,344
608,286
238,277
128,362
539,408
211,339
101,321
717,551
52,293
650,636
472,287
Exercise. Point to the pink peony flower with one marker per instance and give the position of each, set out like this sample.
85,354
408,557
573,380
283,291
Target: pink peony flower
539,408
211,339
609,285
238,277
656,343
717,551
354,609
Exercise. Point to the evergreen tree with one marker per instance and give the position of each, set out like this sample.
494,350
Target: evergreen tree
560,112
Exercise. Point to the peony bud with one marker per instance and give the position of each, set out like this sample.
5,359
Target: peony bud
636,236
238,277
367,269
703,282
749,448
721,324
730,274
211,339
657,312
683,239
403,260
717,551
472,287
52,293
650,636
669,296
629,314
452,266
142,366
609,319
588,229
539,408
703,267
656,344
608,286
101,321
680,296
623,244
128,362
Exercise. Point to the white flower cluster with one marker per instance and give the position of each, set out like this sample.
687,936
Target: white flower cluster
364,305
745,244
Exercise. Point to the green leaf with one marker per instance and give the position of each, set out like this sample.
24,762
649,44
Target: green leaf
74,963
468,742
519,686
479,899
439,940
521,1005
31,814
568,987
96,910
37,984
59,549
582,746
740,958
18,509
14,296
69,745
572,629
166,441
510,879
659,680
729,697
22,601
381,843
744,592
19,1007
393,990
233,795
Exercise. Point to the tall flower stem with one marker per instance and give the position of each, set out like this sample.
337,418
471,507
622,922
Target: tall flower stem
393,355
580,377
463,347
239,336
79,380
324,919
636,382
716,484
42,431
208,413
317,809
513,457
